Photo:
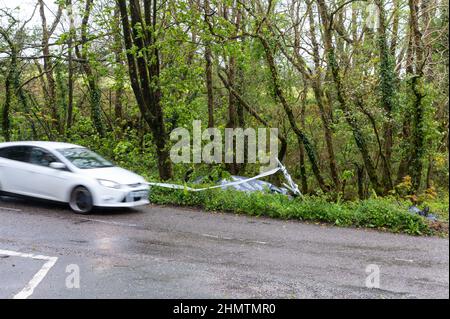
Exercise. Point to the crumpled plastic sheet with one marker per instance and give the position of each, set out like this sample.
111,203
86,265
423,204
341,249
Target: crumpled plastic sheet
253,186
425,213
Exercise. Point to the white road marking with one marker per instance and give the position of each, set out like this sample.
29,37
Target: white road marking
407,260
109,222
11,209
211,236
259,242
229,238
37,278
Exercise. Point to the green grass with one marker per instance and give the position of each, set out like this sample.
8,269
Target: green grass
377,213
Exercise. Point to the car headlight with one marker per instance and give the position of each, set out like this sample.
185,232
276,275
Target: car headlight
109,184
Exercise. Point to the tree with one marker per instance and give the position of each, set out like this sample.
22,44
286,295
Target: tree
351,120
357,89
91,77
139,32
49,87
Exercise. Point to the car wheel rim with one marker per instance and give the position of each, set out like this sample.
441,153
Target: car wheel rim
82,200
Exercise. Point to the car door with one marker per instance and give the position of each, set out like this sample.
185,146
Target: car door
45,181
15,169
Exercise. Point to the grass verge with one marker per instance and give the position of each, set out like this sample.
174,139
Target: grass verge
377,213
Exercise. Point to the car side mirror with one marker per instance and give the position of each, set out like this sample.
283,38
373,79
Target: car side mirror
57,165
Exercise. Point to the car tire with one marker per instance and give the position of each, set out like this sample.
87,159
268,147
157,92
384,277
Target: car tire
81,201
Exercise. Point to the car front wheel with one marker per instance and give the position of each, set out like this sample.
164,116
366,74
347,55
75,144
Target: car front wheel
81,200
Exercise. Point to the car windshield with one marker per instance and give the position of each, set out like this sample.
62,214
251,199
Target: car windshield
84,158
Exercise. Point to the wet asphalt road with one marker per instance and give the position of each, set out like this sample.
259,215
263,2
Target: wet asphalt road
163,252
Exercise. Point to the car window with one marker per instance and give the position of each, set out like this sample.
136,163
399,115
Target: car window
16,153
83,158
41,157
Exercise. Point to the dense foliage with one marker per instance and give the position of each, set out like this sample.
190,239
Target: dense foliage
358,89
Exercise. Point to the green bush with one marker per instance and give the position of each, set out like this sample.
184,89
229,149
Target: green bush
379,213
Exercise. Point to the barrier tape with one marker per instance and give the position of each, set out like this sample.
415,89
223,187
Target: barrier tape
292,186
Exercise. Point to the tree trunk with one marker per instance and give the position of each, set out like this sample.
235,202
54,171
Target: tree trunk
6,122
303,177
119,76
144,71
318,94
360,181
387,89
395,25
92,80
418,134
234,167
301,136
351,120
403,168
208,71
70,64
50,89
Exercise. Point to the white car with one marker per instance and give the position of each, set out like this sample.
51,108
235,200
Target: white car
68,173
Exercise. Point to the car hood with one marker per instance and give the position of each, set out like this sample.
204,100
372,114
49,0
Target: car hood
115,174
